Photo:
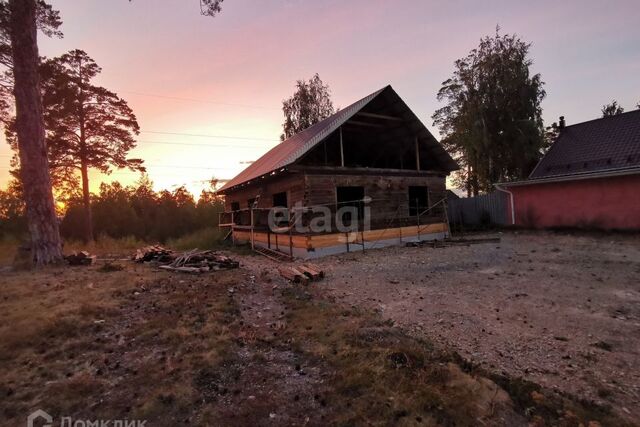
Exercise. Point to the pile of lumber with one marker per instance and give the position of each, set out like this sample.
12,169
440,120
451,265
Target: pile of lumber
302,273
473,240
196,261
80,258
435,243
458,241
153,253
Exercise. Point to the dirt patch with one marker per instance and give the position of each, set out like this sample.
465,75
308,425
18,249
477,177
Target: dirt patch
558,310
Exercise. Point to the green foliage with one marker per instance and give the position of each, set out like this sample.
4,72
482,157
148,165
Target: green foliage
612,109
551,133
12,211
141,213
206,238
87,127
210,7
310,103
48,22
86,124
492,123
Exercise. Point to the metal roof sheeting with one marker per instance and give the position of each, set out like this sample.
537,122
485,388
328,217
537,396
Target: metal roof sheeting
605,144
292,149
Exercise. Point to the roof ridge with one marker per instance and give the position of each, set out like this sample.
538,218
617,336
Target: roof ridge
637,110
293,148
611,142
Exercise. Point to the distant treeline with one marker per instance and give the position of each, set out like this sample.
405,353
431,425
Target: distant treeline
122,211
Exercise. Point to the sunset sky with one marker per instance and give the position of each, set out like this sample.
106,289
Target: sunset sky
207,91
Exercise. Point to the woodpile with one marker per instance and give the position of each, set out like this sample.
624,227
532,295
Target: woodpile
200,261
302,273
80,258
458,241
194,261
153,253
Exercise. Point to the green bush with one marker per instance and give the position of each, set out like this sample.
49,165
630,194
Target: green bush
206,238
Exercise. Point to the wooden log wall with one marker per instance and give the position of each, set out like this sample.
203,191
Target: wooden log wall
293,184
389,194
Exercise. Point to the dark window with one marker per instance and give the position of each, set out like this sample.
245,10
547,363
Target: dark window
418,200
235,206
251,202
350,196
280,200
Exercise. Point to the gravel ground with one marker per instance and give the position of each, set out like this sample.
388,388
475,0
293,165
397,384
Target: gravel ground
561,310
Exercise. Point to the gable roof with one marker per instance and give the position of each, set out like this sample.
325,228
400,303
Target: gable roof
292,149
605,144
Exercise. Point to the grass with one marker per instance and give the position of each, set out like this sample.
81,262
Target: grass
208,238
8,249
105,246
127,344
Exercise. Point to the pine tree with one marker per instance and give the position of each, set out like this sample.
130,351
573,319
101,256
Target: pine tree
88,126
21,25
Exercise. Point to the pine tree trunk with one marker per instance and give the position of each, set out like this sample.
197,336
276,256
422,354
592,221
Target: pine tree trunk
46,245
86,201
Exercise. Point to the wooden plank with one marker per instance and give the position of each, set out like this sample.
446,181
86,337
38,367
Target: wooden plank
300,276
379,116
315,268
287,273
271,254
311,274
341,149
365,124
293,275
333,239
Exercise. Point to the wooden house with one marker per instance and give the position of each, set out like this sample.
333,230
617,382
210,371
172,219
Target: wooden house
374,156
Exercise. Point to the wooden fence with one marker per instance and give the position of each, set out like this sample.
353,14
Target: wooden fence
485,210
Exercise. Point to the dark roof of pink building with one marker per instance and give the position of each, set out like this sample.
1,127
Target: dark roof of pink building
605,144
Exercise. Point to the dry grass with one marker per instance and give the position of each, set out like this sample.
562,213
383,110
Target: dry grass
208,238
122,344
105,246
8,247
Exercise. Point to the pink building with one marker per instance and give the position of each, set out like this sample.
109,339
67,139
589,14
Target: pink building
590,178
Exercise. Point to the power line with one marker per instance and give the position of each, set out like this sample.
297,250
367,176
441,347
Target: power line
202,101
189,144
151,165
210,136
188,167
199,145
